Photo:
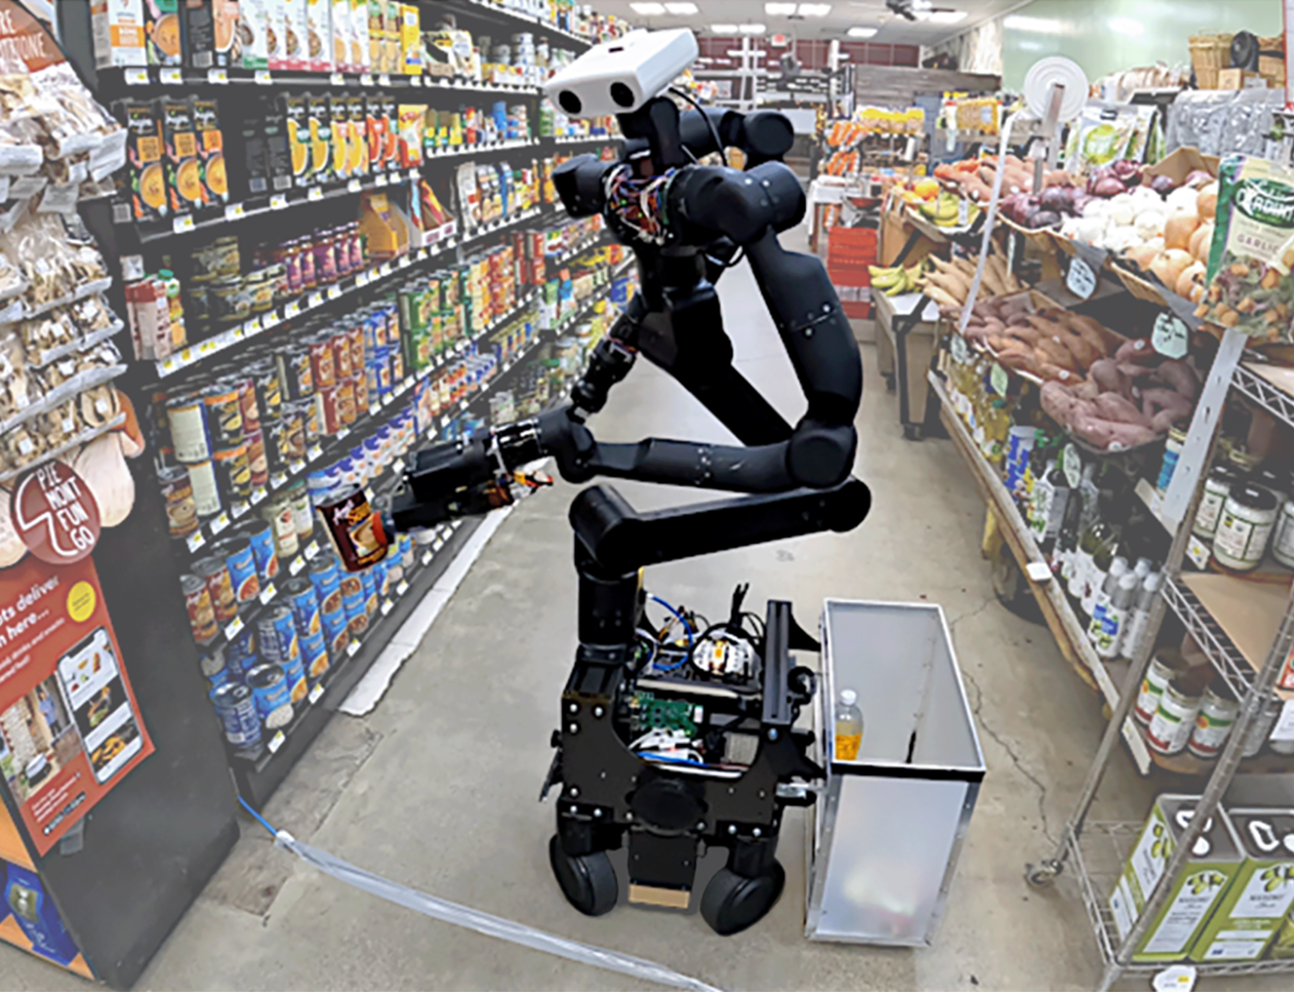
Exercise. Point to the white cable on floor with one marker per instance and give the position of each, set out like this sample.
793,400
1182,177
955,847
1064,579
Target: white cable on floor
474,919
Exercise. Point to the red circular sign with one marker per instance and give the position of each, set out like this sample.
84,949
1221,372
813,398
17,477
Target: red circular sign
55,514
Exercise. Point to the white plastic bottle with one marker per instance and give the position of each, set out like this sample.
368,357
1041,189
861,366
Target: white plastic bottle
1141,615
1118,616
849,725
1118,569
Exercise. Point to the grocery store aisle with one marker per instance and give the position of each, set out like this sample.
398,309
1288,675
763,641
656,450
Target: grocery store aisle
436,788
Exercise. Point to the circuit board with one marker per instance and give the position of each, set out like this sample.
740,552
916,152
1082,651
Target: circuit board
646,712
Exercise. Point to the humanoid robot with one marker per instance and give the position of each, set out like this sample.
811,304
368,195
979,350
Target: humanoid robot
727,702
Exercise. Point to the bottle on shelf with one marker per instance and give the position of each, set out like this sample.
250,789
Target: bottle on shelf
1104,596
1117,616
1062,551
1136,627
849,725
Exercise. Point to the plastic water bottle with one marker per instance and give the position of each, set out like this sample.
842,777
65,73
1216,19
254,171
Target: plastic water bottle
849,725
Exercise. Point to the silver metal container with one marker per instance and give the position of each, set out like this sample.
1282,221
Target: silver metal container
888,827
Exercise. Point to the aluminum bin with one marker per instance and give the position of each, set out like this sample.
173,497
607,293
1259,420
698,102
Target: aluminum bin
888,826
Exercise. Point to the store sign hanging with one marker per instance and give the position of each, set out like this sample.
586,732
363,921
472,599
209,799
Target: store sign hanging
54,514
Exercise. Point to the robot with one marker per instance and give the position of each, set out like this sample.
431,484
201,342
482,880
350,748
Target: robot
675,745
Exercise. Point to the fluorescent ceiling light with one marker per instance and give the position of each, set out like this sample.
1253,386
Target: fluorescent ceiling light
814,9
1127,26
863,32
947,16
779,9
751,28
681,8
723,28
648,9
1042,25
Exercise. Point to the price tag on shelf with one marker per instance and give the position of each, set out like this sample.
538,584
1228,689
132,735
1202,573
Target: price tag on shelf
343,434
380,179
401,588
276,742
218,77
404,261
171,76
1072,465
354,186
136,77
268,593
337,79
195,541
182,224
414,174
277,480
363,279
279,201
298,563
235,211
1171,337
384,80
259,494
462,404
384,269
998,379
426,557
315,300
1081,280
271,319
291,310
315,194
437,544
334,292
415,80
312,549
263,77
387,607
220,523
233,628
352,649
316,693
252,327
1198,552
366,79
314,452
239,510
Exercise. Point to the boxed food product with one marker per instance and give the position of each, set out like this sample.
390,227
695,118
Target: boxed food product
255,28
278,147
319,35
1259,900
295,32
410,117
391,36
211,153
360,56
256,159
341,37
339,118
296,118
162,32
385,236
320,132
410,40
118,29
376,33
276,42
145,173
212,35
1197,891
180,159
358,108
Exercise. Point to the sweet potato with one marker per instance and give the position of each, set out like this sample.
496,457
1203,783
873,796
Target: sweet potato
1156,401
1061,405
1105,373
1087,328
1110,435
1082,351
1112,406
1138,350
1179,376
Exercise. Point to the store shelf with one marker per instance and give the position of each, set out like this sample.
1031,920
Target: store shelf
113,79
584,139
1270,386
194,354
1233,620
1064,624
560,259
325,450
496,14
431,155
503,224
1097,855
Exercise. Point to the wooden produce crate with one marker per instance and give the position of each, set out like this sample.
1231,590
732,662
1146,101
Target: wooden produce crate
1210,54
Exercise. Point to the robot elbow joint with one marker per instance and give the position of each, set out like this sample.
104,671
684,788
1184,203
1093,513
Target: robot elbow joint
821,456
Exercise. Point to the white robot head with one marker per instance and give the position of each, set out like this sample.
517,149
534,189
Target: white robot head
618,77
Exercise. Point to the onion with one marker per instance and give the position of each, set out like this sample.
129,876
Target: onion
1169,266
1192,274
1042,218
1163,185
1057,198
1202,241
1109,186
1179,227
1150,223
1197,178
1126,169
1208,201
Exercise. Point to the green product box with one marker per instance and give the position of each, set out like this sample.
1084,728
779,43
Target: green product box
1259,900
1197,891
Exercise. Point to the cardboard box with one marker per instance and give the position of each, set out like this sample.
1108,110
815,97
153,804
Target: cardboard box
1262,894
1196,892
1240,79
118,30
180,158
162,34
212,35
145,173
1180,164
211,153
410,40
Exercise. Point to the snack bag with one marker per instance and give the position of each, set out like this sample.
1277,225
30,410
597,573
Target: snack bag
1250,285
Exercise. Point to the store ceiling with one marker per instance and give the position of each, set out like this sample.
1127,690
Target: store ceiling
843,15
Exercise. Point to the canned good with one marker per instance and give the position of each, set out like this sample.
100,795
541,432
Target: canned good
228,300
241,654
302,599
177,492
224,415
206,490
277,628
212,665
236,707
1170,728
1218,711
323,367
279,514
202,614
325,576
258,462
329,400
269,394
237,553
215,573
336,632
355,335
347,409
356,614
1158,675
292,430
269,688
247,402
187,417
302,512
339,341
359,389
370,581
260,285
233,472
296,375
260,536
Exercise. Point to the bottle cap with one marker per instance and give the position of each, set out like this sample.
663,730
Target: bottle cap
848,697
1129,580
1144,565
1119,566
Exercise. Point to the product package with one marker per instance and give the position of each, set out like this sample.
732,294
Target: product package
339,117
212,35
341,37
411,124
319,35
1250,284
321,145
1197,890
118,29
360,55
278,147
357,108
211,153
162,32
296,31
1260,898
296,117
180,159
145,175
256,162
276,54
256,31
376,19
410,40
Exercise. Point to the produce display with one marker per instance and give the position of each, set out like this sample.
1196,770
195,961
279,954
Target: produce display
974,177
949,283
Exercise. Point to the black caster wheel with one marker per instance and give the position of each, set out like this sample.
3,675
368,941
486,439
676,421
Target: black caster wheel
734,902
1041,876
588,881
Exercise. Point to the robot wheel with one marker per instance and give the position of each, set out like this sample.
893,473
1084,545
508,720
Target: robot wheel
588,880
734,902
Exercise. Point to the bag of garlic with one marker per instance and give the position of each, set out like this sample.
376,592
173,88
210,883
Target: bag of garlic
1250,282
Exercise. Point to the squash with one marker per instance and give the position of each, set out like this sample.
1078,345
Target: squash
1202,241
1179,227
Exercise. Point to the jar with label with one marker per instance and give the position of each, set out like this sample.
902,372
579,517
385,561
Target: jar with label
1248,518
259,286
1216,488
1163,667
1172,451
1170,728
1283,538
1218,711
228,300
1260,727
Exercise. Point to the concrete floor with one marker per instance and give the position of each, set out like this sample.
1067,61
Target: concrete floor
437,787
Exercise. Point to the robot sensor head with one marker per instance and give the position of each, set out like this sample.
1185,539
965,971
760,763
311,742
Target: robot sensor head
618,77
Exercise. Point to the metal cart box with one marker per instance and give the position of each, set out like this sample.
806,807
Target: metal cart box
888,828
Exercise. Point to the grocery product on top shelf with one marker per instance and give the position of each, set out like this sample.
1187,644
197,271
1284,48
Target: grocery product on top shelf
1103,135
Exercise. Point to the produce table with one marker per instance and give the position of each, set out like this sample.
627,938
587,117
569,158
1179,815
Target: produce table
904,350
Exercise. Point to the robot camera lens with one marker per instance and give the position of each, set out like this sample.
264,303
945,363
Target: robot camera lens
622,95
571,103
